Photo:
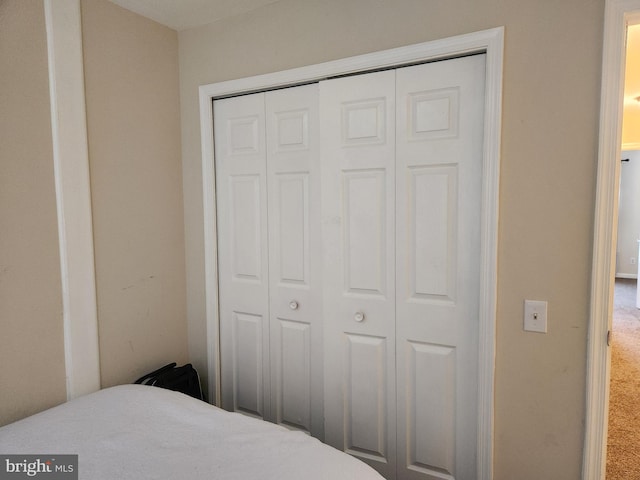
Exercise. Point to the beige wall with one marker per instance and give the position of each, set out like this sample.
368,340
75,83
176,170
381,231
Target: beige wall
32,373
131,70
550,119
133,121
628,216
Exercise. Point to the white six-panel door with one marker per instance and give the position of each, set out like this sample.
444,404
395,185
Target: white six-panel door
268,194
402,164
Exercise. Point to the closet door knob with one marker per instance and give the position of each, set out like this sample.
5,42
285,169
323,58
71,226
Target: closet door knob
293,305
359,317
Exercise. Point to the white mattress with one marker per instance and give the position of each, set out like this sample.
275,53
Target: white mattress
141,432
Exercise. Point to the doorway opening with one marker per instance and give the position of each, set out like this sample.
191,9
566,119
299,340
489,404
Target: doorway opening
619,14
623,437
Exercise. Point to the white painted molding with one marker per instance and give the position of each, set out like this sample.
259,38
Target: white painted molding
489,41
617,15
489,254
631,276
73,197
210,247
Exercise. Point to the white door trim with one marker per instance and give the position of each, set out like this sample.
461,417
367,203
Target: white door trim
489,41
73,196
618,14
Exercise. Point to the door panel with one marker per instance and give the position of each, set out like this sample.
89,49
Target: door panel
245,218
240,156
293,232
432,231
295,381
358,184
438,170
365,248
366,397
431,386
295,276
247,363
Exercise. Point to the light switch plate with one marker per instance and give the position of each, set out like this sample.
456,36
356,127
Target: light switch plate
535,316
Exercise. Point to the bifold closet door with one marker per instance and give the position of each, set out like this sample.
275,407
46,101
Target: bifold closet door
270,291
358,210
402,158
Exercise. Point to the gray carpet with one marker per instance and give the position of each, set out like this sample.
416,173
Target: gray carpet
623,449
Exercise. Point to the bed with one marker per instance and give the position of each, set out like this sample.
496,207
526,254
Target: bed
142,432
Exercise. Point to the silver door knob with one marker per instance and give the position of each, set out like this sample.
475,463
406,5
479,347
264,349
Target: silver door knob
359,317
293,305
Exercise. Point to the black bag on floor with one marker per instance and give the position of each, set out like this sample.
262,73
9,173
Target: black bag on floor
183,379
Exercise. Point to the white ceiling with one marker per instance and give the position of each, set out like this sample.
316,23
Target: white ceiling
183,14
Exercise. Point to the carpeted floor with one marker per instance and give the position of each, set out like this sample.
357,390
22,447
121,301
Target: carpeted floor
623,450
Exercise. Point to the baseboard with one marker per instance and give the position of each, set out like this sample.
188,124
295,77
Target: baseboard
627,275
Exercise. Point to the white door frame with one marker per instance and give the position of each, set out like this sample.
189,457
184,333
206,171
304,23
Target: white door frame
618,14
490,42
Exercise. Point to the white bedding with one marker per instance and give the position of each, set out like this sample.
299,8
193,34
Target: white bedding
141,432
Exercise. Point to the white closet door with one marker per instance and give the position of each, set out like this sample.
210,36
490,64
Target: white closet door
439,168
240,159
358,147
295,263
